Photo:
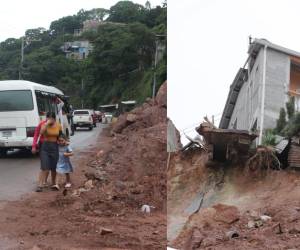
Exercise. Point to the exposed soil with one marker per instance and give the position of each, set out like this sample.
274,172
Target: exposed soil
238,210
111,183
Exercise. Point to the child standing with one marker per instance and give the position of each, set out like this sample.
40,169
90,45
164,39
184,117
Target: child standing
64,165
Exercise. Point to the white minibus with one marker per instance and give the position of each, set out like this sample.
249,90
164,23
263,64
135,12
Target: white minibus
23,105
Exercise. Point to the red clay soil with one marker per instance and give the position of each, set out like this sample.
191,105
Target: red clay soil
103,210
230,216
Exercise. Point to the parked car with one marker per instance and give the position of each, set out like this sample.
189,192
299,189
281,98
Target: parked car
107,117
99,115
83,118
94,116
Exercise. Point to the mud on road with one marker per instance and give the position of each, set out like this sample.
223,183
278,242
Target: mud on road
19,169
51,220
112,182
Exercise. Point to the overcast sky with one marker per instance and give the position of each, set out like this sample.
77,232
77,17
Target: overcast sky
208,42
16,16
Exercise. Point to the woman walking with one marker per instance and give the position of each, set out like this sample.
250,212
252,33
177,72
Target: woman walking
49,151
38,140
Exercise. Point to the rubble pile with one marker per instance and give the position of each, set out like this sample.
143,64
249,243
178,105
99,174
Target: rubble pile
220,207
119,196
138,155
129,175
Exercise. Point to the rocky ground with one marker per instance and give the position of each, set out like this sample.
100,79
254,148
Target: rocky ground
103,210
238,210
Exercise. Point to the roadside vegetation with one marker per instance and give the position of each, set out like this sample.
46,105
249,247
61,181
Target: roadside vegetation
120,66
287,125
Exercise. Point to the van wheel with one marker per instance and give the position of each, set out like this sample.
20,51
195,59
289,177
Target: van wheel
3,152
91,128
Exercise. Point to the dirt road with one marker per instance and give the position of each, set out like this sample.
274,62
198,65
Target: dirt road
18,171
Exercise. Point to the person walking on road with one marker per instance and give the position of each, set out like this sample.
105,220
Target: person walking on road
49,150
36,146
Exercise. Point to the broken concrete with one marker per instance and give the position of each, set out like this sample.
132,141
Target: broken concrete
225,144
263,211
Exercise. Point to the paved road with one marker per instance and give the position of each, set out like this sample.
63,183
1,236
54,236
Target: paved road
19,170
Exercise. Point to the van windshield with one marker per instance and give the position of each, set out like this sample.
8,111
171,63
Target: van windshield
16,100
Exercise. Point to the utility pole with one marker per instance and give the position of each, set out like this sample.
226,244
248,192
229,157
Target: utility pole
82,93
22,58
23,46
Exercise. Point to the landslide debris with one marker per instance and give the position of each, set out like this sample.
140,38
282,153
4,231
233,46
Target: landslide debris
219,207
112,183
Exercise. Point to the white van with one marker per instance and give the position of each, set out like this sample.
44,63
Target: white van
23,105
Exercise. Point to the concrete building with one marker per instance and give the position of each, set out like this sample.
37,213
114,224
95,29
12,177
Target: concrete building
78,50
93,25
269,77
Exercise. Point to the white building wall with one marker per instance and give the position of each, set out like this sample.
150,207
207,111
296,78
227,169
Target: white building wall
277,81
247,107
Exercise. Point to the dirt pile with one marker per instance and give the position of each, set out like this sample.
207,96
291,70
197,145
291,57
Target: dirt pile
113,182
219,207
131,173
139,151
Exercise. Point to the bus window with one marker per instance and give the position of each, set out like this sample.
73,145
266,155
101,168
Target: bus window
53,106
44,104
41,104
16,100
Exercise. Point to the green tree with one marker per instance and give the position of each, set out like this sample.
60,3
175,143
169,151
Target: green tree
269,138
34,34
119,67
290,107
281,122
66,25
293,126
98,14
127,12
10,44
148,5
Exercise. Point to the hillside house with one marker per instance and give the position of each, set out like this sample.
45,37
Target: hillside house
78,50
93,25
270,76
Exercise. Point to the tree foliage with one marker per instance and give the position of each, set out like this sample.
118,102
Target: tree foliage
290,127
98,14
34,34
127,12
65,25
293,126
290,107
281,122
269,138
120,65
